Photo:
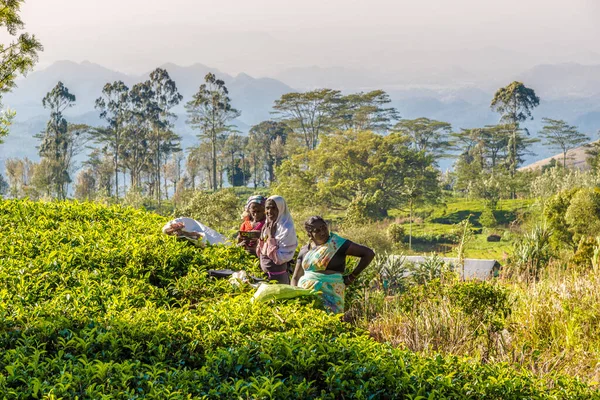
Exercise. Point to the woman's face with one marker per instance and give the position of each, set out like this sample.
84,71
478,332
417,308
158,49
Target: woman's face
257,212
318,232
272,211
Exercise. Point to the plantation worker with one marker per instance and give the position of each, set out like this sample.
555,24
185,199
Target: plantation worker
194,231
254,220
278,241
321,264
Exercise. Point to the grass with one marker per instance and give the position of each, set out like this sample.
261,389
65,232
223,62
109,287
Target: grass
552,326
432,224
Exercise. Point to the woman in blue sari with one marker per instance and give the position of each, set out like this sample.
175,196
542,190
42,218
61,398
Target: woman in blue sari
321,264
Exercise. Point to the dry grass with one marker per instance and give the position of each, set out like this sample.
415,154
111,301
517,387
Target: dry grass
554,326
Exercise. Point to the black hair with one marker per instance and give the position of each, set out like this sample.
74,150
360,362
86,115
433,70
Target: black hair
312,220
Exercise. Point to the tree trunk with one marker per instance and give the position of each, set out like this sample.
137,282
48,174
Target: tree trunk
410,227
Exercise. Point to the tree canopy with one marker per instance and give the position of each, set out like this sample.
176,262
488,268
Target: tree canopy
359,167
561,136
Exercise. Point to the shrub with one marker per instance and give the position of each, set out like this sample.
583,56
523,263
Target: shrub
487,218
532,253
584,255
555,212
583,212
219,210
396,233
372,235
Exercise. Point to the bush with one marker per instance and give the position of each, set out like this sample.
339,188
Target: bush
487,218
533,252
396,233
583,213
220,210
372,235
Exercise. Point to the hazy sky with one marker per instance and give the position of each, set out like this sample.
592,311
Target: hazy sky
265,36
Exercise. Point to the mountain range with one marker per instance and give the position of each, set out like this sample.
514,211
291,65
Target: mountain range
568,91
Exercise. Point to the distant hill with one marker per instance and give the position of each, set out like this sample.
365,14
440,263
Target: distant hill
460,95
556,81
576,158
253,96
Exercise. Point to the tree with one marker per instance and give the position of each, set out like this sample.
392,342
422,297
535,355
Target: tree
16,172
114,107
593,152
85,187
19,56
161,95
210,111
427,135
56,140
561,136
515,104
100,166
193,166
271,137
310,113
362,169
136,147
366,111
583,214
6,118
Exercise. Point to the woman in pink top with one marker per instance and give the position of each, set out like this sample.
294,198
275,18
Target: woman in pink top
278,241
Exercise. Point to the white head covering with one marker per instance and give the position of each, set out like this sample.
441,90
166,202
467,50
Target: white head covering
209,235
285,234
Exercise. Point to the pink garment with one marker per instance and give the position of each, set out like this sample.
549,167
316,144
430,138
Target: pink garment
270,249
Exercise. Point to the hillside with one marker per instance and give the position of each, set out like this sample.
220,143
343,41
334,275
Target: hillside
576,158
96,302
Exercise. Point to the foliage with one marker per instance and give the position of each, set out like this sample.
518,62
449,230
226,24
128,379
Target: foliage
533,252
584,255
96,302
310,114
6,118
561,136
373,235
396,233
556,180
487,218
266,142
210,111
219,210
555,211
427,135
115,109
56,142
17,57
515,103
583,213
361,168
366,111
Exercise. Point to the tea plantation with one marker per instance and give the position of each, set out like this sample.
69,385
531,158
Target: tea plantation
96,303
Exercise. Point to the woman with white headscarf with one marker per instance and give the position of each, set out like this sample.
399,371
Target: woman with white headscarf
278,241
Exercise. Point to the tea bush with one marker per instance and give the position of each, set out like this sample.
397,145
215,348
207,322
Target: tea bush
96,303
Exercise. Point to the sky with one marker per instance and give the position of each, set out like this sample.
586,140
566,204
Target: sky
265,37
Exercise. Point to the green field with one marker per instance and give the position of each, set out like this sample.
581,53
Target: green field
441,220
97,303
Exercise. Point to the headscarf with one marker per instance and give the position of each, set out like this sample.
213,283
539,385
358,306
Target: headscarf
258,199
285,234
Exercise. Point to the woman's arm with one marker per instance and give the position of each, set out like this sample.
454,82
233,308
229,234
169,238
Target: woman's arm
298,272
365,254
